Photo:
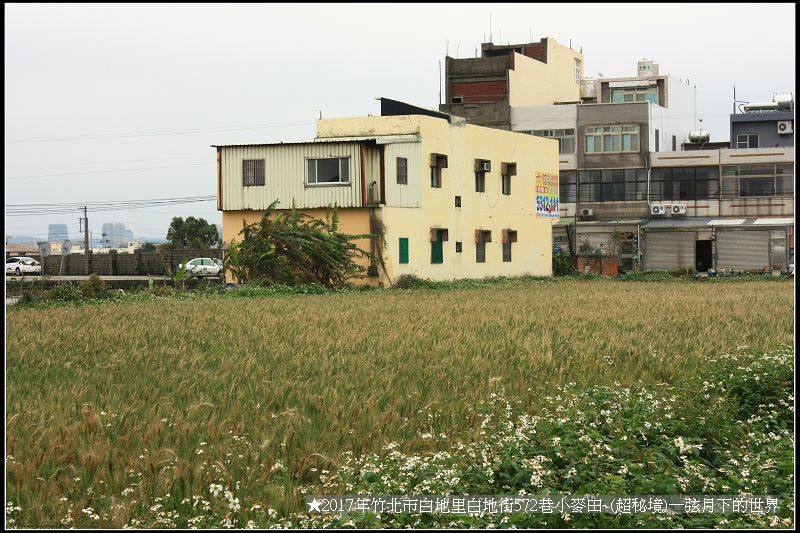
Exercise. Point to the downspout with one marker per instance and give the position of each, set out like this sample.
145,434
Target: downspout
219,181
363,177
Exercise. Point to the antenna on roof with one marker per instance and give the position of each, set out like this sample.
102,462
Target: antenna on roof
490,26
530,34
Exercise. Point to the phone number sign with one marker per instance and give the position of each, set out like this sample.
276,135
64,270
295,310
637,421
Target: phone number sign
546,195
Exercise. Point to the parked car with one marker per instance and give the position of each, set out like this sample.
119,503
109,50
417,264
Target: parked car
203,267
22,265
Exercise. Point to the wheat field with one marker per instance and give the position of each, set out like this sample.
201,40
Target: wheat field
109,407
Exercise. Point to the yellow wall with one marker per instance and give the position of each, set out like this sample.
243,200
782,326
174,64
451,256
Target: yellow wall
491,210
533,83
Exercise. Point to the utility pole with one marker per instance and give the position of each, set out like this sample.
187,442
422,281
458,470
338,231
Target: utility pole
87,247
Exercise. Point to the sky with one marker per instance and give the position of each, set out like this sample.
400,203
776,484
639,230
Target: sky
121,102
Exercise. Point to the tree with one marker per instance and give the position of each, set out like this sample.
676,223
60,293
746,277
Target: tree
148,247
192,233
293,248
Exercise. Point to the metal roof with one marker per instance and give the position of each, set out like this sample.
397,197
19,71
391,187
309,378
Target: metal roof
701,222
316,141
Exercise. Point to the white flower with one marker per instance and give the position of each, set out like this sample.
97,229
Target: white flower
215,489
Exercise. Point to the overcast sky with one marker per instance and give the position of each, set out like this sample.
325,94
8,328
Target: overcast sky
145,86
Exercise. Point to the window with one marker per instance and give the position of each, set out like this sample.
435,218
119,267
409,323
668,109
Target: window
458,247
481,238
457,100
482,166
634,94
403,250
658,139
565,138
577,71
252,172
684,184
480,182
747,140
458,201
611,139
438,236
674,144
506,171
509,236
567,186
328,171
757,180
402,171
438,162
610,185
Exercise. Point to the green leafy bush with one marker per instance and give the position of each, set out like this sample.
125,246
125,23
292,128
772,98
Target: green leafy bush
562,266
94,288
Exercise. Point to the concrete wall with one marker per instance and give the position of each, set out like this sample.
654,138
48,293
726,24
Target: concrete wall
613,114
765,125
677,119
546,117
122,264
489,114
533,83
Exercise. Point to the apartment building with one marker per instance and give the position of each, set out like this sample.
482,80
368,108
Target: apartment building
456,200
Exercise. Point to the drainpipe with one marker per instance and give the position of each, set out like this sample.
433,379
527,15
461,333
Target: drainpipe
363,177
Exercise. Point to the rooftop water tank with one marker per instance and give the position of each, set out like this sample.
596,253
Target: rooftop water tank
784,101
588,88
699,136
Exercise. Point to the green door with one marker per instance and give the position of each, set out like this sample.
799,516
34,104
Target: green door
437,254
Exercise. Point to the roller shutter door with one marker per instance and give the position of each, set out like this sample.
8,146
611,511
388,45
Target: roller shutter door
743,249
669,250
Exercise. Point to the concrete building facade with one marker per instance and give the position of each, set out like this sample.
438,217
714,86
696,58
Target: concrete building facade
456,200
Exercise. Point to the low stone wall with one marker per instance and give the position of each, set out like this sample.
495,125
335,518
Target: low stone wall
598,264
121,264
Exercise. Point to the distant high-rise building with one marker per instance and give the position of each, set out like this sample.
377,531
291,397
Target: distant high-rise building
129,235
57,232
114,235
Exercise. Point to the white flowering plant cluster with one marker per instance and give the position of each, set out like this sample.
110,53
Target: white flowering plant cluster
607,440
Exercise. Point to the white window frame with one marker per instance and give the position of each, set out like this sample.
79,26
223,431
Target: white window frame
328,183
577,71
560,135
611,132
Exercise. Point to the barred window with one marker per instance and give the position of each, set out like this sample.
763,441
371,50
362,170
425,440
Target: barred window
252,172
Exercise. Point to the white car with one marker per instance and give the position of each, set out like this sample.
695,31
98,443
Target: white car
203,267
22,265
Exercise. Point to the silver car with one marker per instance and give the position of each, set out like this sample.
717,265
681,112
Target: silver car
22,265
203,267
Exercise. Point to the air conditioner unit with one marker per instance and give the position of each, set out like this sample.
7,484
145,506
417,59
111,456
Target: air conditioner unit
587,212
658,210
678,209
785,127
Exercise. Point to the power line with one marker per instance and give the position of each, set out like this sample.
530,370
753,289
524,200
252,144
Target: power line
155,133
68,208
107,161
106,171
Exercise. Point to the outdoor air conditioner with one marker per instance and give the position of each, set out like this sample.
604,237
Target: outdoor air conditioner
486,166
586,212
658,210
785,127
679,209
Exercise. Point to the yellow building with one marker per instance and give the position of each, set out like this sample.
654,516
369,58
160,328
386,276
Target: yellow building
455,200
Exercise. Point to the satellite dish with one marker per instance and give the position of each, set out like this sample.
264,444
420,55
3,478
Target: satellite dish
66,248
44,249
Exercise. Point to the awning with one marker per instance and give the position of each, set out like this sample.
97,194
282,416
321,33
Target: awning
566,221
700,222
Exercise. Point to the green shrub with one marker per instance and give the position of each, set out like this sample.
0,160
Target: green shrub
562,266
407,281
94,288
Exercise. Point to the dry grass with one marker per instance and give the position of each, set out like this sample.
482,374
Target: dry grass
103,398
